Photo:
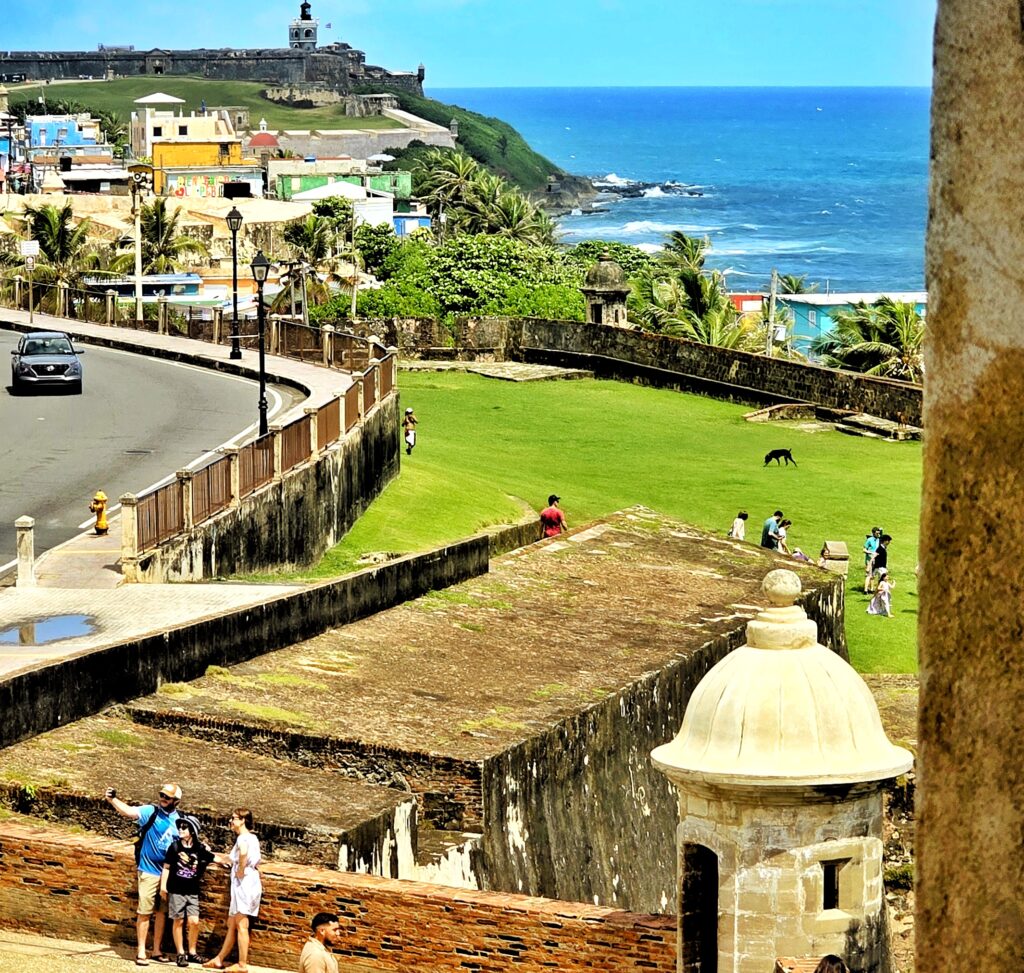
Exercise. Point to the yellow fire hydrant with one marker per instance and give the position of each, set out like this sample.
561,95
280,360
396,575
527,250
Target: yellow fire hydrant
99,507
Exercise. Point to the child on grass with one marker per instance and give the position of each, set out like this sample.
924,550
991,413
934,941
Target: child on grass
881,604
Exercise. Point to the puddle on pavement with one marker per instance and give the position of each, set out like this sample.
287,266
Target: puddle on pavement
42,631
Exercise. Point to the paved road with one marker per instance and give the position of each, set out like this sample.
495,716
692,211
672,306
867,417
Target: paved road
139,419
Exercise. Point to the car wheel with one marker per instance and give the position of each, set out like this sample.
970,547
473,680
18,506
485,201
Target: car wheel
15,386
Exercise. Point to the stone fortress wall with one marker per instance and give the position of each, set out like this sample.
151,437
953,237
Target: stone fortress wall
338,65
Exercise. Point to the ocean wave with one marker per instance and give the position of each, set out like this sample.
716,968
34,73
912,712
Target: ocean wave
774,246
649,226
655,192
612,179
650,247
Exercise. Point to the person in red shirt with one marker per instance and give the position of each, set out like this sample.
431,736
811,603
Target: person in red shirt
552,520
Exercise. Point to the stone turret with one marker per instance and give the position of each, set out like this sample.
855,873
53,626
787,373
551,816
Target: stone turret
302,31
606,289
780,765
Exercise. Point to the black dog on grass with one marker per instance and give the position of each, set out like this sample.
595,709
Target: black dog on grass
778,455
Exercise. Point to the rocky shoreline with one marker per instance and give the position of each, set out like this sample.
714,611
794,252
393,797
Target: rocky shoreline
582,196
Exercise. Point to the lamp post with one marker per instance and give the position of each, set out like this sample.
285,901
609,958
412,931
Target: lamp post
30,263
234,219
260,268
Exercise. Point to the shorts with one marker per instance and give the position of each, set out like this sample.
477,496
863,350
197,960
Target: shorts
149,894
179,905
410,438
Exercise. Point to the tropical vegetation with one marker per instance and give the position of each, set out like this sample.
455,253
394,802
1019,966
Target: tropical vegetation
885,338
164,245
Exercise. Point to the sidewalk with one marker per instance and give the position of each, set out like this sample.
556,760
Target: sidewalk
22,953
88,562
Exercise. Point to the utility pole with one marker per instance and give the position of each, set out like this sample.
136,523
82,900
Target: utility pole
773,290
355,264
137,182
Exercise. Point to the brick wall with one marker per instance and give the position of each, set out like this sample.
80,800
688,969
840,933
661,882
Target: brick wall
78,887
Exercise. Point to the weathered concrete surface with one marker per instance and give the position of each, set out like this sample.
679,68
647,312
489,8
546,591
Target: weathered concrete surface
971,778
525,702
304,815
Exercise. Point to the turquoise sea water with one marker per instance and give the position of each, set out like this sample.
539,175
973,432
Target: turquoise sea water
828,182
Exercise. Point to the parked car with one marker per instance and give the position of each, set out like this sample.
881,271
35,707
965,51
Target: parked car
45,358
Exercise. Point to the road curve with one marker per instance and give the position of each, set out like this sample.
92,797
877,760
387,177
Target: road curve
138,419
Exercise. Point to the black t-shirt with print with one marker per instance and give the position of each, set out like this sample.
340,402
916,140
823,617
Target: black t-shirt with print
187,866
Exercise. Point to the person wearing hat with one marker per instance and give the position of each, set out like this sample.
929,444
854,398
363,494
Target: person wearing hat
184,865
315,956
552,520
157,825
409,425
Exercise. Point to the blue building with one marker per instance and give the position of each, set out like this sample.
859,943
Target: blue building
812,313
61,130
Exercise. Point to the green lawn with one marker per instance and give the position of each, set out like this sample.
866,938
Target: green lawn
607,445
119,94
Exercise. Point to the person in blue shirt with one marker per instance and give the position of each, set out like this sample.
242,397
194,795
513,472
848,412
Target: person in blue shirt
157,829
770,531
870,548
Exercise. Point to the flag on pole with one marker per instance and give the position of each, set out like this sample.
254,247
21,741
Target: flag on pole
327,26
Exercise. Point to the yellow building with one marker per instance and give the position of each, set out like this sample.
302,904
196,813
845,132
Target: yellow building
201,167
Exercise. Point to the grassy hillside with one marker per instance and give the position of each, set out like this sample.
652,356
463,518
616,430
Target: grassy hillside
490,141
119,94
607,445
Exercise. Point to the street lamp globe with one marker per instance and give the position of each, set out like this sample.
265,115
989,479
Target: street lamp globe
234,219
260,267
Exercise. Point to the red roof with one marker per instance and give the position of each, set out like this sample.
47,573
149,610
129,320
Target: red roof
263,138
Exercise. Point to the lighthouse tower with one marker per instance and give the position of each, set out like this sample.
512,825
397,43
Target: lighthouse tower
302,32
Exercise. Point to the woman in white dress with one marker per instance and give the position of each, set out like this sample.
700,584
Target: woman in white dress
246,890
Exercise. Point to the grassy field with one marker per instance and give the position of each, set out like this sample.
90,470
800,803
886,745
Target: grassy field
119,94
487,447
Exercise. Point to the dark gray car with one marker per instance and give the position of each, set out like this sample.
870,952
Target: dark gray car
45,358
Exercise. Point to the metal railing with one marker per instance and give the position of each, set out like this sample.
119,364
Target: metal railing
211,490
328,424
351,407
255,465
160,515
295,443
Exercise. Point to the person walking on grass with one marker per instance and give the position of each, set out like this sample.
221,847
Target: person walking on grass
246,891
409,427
552,520
316,956
738,531
770,531
870,547
184,865
157,829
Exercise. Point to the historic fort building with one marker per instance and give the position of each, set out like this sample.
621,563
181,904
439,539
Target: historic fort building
336,65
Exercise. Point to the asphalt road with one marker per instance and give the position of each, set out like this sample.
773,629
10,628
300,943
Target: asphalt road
138,420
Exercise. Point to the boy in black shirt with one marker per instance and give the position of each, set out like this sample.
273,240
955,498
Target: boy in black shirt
184,864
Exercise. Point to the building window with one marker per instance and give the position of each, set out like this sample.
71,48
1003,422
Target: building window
158,131
812,318
183,130
830,874
309,33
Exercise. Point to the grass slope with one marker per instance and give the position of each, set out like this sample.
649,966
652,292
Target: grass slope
605,445
118,95
481,137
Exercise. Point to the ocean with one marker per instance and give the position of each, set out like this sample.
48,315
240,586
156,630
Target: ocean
827,182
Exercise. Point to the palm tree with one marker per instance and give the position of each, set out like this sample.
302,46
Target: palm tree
885,338
793,284
314,243
163,243
684,252
444,179
65,251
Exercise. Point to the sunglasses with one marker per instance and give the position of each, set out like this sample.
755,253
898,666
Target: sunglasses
166,797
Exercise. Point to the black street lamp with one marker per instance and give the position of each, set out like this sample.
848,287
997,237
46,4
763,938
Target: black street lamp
234,219
260,268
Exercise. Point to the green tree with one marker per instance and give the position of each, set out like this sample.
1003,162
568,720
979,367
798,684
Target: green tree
631,259
793,284
885,338
164,245
65,251
376,244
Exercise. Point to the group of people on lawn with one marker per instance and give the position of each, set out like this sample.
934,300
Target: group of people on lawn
172,858
877,580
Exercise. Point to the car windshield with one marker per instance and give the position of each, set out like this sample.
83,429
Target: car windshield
48,346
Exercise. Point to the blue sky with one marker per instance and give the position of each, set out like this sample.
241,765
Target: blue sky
474,43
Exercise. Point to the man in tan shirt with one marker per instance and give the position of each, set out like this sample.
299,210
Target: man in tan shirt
315,956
